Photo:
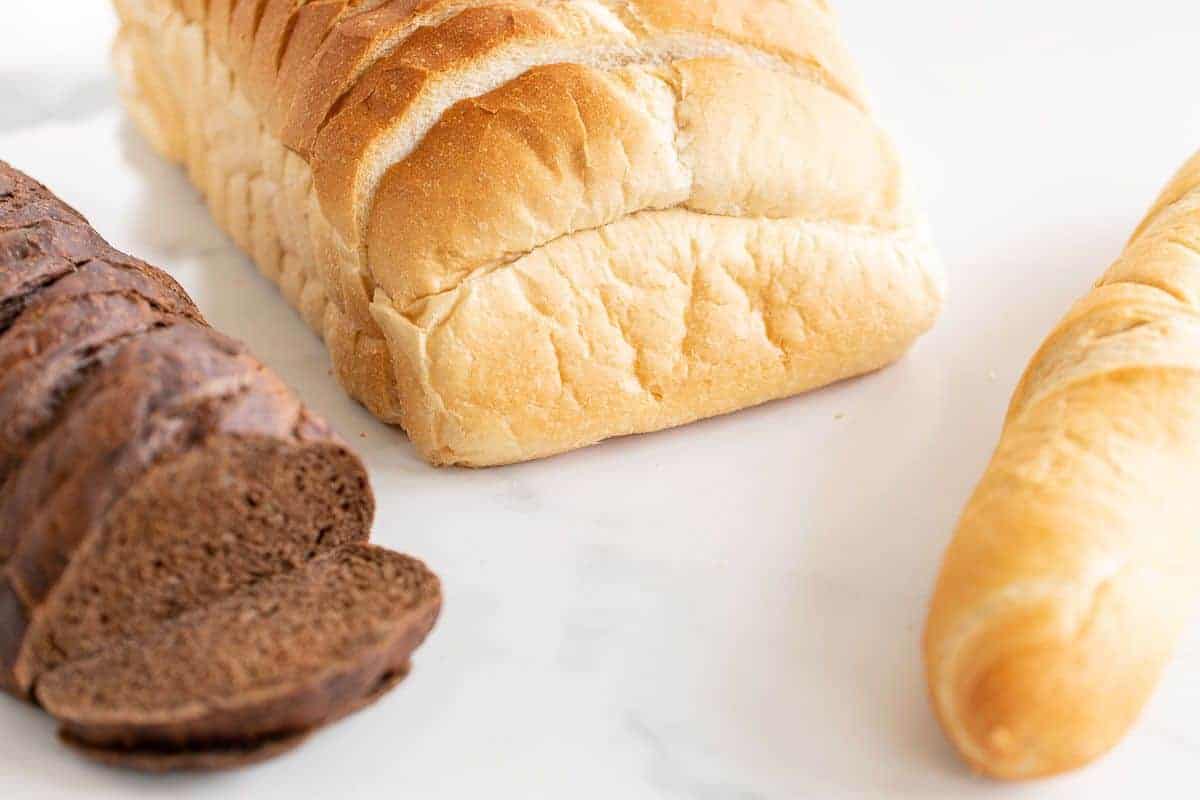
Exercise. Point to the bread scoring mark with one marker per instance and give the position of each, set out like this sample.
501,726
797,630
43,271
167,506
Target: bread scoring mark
1157,340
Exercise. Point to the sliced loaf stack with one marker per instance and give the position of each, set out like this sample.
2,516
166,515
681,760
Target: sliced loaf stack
184,574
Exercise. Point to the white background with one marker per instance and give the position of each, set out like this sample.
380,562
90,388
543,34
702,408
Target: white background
731,610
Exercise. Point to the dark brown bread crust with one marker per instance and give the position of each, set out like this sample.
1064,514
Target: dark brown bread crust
218,758
213,759
43,241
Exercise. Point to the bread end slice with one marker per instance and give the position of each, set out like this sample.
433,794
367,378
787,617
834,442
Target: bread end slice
291,653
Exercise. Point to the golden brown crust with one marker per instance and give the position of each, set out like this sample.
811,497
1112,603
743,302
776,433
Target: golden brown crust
1073,569
380,159
343,54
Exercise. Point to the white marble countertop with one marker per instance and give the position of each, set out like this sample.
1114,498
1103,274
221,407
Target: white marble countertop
730,610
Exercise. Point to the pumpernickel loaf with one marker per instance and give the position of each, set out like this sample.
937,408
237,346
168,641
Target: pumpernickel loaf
127,510
525,226
156,478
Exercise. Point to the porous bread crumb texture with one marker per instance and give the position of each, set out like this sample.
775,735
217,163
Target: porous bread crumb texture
210,522
523,227
1074,567
295,650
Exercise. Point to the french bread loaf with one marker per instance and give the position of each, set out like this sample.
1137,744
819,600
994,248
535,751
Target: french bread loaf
152,471
1076,562
523,226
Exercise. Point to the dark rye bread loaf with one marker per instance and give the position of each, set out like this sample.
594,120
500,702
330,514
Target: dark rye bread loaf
182,474
295,651
155,478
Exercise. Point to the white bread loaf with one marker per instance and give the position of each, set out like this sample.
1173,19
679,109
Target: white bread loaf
1077,562
523,227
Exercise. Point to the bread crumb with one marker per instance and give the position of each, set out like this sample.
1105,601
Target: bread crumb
991,375
839,415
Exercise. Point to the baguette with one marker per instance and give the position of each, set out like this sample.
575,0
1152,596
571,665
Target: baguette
523,226
160,486
1076,562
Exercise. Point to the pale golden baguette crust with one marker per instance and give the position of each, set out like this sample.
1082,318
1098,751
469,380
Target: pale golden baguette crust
1076,562
524,226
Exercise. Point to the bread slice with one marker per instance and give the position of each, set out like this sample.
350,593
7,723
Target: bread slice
285,655
187,473
524,226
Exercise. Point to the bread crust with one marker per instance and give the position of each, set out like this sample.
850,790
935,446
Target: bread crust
218,758
1073,568
379,157
211,759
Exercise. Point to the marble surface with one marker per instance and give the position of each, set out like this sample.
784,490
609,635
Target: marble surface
731,610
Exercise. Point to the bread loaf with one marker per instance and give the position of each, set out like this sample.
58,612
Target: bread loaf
1076,562
523,226
152,471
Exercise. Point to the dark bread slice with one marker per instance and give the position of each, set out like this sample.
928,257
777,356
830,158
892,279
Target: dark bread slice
283,656
214,758
187,472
